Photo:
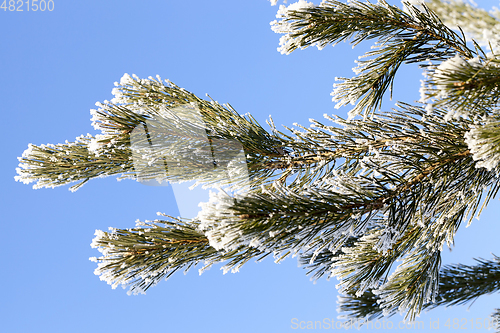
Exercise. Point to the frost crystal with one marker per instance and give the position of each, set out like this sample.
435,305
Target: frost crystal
285,27
483,145
442,74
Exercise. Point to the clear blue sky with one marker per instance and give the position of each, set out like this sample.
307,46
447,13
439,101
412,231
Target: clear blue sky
55,65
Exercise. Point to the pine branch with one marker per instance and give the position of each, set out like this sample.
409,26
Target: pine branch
401,38
458,284
61,164
362,267
479,24
141,257
484,142
167,114
467,88
413,284
495,318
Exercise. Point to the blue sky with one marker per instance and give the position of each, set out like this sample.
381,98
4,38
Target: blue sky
55,65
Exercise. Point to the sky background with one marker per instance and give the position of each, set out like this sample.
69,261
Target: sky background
54,66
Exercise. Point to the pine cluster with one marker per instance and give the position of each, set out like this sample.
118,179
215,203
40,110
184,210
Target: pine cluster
348,197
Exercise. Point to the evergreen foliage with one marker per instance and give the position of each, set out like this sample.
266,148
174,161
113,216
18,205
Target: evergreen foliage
349,198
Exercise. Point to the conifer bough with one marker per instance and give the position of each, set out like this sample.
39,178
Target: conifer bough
349,198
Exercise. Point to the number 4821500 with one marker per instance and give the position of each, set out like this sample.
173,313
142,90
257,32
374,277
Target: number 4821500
27,5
